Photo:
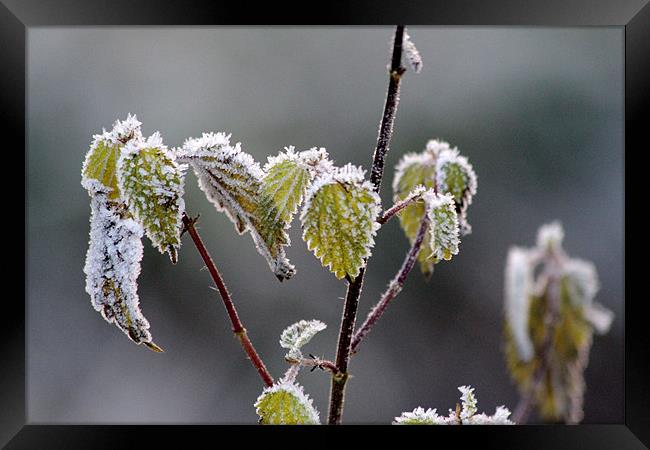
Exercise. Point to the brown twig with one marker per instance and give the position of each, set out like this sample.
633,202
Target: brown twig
237,326
348,319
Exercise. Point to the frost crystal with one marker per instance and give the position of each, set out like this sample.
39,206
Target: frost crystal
232,181
465,416
518,289
152,185
443,231
339,219
412,53
441,168
113,265
297,335
285,403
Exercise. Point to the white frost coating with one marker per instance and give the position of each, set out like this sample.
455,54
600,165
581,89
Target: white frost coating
444,161
518,289
297,335
408,159
228,177
124,130
296,391
113,265
412,53
582,281
550,236
599,317
435,146
315,159
466,416
443,228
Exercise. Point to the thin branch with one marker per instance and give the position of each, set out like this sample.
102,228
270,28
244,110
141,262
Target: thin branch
237,326
348,319
397,207
527,400
395,286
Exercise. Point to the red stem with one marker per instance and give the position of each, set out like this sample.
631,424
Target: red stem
237,326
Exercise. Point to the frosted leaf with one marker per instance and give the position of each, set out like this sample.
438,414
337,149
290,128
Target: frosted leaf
443,230
287,177
420,416
101,160
413,170
339,220
113,265
286,403
436,146
455,175
232,181
582,281
297,335
468,402
518,289
152,185
550,236
467,415
412,54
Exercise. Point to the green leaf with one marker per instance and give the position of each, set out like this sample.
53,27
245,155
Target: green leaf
297,335
113,265
285,403
101,160
232,181
152,185
444,232
339,220
287,177
455,175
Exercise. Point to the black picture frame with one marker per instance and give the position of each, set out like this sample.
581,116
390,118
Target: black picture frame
17,16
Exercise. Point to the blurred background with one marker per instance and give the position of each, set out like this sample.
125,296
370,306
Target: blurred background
538,112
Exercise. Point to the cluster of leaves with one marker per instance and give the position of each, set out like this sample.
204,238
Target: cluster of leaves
542,285
464,414
452,179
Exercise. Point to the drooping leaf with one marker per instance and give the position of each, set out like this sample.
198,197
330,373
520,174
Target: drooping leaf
113,265
286,403
455,175
287,177
101,160
339,220
444,233
297,335
518,292
232,181
152,185
412,54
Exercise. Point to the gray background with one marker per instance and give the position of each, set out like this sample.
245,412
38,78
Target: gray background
538,111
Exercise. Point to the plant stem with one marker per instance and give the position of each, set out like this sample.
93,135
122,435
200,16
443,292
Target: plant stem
237,326
395,286
525,404
339,379
397,207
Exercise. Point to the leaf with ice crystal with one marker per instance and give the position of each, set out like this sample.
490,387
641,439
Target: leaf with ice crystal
339,220
443,231
101,160
465,416
297,335
455,175
413,170
152,185
287,177
232,181
285,403
113,265
565,288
